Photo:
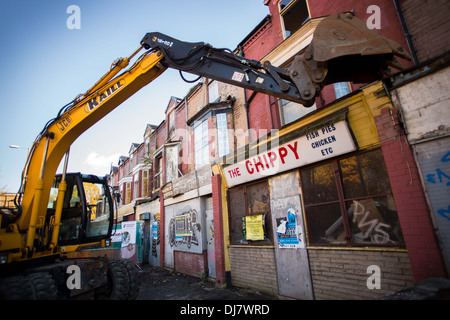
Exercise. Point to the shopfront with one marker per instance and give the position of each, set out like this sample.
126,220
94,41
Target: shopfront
311,212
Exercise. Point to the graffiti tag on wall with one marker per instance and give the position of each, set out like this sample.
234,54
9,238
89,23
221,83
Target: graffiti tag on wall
370,224
155,238
184,228
440,177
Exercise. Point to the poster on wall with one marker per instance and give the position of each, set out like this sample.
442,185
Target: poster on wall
182,226
116,236
287,233
254,227
129,240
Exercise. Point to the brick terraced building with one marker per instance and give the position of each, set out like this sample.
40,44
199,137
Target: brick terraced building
326,202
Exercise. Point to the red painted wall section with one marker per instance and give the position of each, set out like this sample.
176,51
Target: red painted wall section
423,250
189,263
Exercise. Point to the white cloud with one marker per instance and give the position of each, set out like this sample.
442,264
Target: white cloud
99,164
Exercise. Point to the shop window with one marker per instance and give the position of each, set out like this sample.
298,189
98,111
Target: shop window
349,202
250,201
294,13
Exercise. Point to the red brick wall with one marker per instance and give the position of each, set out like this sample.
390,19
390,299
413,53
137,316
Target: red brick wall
193,264
427,22
218,228
264,39
259,116
424,254
256,47
161,135
390,23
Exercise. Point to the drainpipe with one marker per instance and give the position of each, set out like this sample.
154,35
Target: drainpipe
406,32
246,101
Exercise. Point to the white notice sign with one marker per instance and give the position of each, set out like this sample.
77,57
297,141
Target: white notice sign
327,142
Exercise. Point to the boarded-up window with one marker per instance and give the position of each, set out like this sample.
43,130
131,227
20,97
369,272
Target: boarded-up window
171,163
250,200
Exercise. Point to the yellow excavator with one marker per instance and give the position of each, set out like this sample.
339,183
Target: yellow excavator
56,215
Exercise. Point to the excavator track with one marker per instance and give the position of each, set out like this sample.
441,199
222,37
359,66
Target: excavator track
119,283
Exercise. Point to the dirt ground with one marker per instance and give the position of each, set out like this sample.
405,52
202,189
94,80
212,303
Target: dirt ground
160,284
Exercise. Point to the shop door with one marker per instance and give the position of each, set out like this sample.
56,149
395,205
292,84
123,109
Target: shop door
293,274
146,241
210,237
154,252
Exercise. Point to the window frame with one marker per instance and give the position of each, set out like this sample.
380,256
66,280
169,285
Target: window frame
145,180
349,240
201,154
339,86
157,177
128,192
213,91
136,186
285,10
223,144
268,234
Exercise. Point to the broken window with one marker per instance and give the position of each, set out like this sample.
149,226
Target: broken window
171,163
157,181
349,202
171,120
294,13
250,200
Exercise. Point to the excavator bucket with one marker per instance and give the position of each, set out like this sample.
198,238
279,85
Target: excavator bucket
344,35
344,49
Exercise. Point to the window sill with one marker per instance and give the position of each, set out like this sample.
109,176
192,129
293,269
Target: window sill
357,248
251,246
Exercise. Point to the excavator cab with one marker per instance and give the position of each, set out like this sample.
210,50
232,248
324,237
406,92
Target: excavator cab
87,213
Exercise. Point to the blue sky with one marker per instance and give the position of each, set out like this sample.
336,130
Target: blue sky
44,65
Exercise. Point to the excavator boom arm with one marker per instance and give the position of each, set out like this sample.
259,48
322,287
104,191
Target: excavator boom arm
301,83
